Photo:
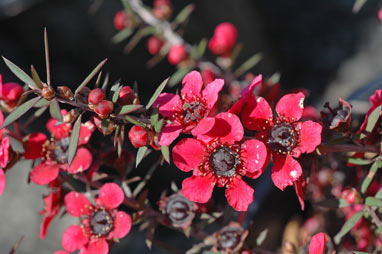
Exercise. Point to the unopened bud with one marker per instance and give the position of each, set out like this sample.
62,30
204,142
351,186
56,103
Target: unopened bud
65,92
47,92
104,108
138,136
126,96
71,116
96,96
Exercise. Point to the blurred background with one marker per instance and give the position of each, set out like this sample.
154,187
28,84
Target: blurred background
318,45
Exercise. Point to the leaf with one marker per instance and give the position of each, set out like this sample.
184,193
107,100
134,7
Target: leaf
74,140
154,116
178,76
349,224
260,239
360,252
42,103
252,61
166,153
105,82
122,35
98,81
158,126
157,92
371,121
116,94
379,194
20,74
19,111
90,76
198,51
36,78
40,111
372,201
359,161
184,14
133,120
140,155
369,178
55,110
138,36
358,5
129,108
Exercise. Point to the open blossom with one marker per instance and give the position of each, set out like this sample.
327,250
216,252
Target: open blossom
100,222
220,156
285,136
185,112
54,152
4,154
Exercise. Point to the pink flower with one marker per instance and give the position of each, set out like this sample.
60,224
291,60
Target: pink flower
219,156
284,135
52,205
99,223
376,101
317,244
223,40
10,93
185,112
54,152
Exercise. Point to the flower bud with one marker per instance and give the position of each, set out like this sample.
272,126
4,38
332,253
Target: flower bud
98,123
177,54
126,96
11,92
65,92
138,136
104,108
223,40
96,96
351,196
154,45
162,9
47,92
123,20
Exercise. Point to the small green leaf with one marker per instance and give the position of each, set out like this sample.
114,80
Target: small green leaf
177,76
360,252
166,153
371,121
372,201
158,126
260,239
359,161
20,74
42,103
154,116
252,61
98,81
40,111
74,140
133,120
19,111
116,94
198,51
129,108
369,177
157,92
122,35
36,78
105,82
379,194
138,36
55,110
105,125
140,155
349,224
184,14
358,5
90,76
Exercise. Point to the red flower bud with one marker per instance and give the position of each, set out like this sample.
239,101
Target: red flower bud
224,39
120,20
154,45
96,96
351,196
98,123
11,92
47,92
177,54
126,96
65,92
104,108
138,136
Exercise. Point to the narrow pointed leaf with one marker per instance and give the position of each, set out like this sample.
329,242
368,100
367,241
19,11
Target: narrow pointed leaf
158,126
36,78
98,81
133,120
252,61
20,74
157,92
154,116
55,110
371,121
129,108
116,94
198,51
349,224
372,201
140,155
105,82
122,35
260,239
74,140
19,111
178,76
42,103
359,161
369,177
184,14
358,5
90,76
40,111
166,153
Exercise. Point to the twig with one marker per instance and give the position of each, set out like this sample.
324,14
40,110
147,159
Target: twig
374,217
324,148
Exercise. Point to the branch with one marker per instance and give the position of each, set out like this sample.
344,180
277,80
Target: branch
344,148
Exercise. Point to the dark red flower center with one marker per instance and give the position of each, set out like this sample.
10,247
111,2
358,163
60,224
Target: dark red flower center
282,138
101,222
229,238
179,209
224,161
193,112
60,152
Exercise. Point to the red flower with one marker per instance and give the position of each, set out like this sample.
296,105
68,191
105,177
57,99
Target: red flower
54,152
177,54
10,93
376,101
99,222
223,40
4,153
120,20
317,244
284,135
154,45
219,156
186,111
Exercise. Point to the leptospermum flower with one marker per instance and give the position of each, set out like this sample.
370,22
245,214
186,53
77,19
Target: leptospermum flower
285,136
4,154
317,244
100,222
376,101
220,156
185,112
54,152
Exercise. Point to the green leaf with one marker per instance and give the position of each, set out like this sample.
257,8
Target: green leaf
379,194
138,36
198,52
372,201
177,76
260,239
158,126
333,203
166,153
20,74
116,94
184,14
55,110
252,61
42,103
36,78
90,76
133,120
349,224
122,35
98,81
74,140
140,155
371,121
40,111
369,178
129,108
154,116
157,92
359,161
358,5
105,82
19,111
360,252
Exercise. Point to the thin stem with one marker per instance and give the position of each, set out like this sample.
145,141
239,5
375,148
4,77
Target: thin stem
47,57
374,217
325,148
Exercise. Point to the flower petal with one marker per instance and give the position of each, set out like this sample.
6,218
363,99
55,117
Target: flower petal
291,106
86,130
211,92
188,153
257,115
300,186
192,84
286,171
169,133
60,252
44,173
77,204
239,194
4,152
45,225
34,146
317,244
81,161
2,181
204,126
73,238
254,155
310,136
122,225
168,103
98,246
59,131
198,188
111,195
